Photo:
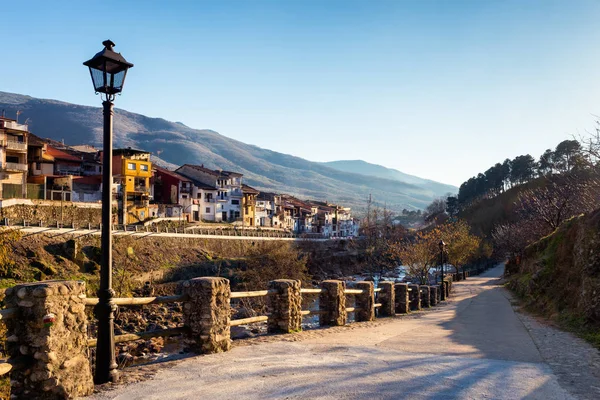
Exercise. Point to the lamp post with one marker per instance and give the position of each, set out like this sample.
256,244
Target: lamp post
108,70
442,247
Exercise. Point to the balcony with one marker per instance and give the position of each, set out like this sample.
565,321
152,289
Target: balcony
13,125
186,190
14,145
16,167
141,189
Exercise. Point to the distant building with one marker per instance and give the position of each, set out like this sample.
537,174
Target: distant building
132,170
249,205
265,209
229,195
13,159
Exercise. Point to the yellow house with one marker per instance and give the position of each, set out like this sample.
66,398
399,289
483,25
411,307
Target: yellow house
249,205
132,169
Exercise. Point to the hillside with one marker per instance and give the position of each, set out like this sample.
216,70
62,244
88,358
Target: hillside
558,276
379,171
176,143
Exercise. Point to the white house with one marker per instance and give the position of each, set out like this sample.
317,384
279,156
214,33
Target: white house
228,186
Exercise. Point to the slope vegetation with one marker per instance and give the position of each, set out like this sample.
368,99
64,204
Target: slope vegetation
559,275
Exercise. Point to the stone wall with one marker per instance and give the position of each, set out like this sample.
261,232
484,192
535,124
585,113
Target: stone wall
387,298
433,295
49,335
285,306
207,314
414,297
365,302
402,300
333,302
425,297
52,212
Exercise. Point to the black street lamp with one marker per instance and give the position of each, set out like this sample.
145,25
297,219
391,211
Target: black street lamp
108,70
442,248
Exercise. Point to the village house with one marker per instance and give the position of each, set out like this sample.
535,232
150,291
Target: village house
284,209
265,209
132,170
56,174
296,213
249,205
13,158
172,190
322,218
204,200
229,195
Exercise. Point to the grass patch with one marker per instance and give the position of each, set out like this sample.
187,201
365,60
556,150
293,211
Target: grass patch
580,327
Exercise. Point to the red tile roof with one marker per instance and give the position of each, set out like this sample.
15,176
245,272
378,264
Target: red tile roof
171,173
61,155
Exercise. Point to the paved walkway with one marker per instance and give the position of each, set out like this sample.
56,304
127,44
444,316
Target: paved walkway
473,347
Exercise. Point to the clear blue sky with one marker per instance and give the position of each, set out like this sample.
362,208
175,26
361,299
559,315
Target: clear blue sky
439,89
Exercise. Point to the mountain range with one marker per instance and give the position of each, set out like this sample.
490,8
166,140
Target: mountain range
173,143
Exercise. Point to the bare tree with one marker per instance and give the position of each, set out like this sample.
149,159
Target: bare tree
559,198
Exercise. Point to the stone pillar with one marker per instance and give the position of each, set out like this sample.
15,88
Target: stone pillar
425,296
285,307
387,298
206,313
49,334
414,296
402,301
365,301
433,295
446,289
333,303
442,291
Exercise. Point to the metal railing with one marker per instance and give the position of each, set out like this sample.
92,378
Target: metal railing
14,125
10,166
143,189
14,145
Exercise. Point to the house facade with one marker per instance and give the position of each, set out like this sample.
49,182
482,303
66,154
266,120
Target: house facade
228,185
13,159
132,170
249,205
264,209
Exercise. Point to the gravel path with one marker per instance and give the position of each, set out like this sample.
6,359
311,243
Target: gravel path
474,346
575,362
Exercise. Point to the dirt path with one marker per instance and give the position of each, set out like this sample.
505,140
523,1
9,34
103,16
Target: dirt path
475,346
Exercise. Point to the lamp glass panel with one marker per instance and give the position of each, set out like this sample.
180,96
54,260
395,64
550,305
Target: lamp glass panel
118,80
98,78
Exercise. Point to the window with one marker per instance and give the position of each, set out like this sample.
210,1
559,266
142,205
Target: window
236,202
131,166
199,195
237,214
207,210
143,167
